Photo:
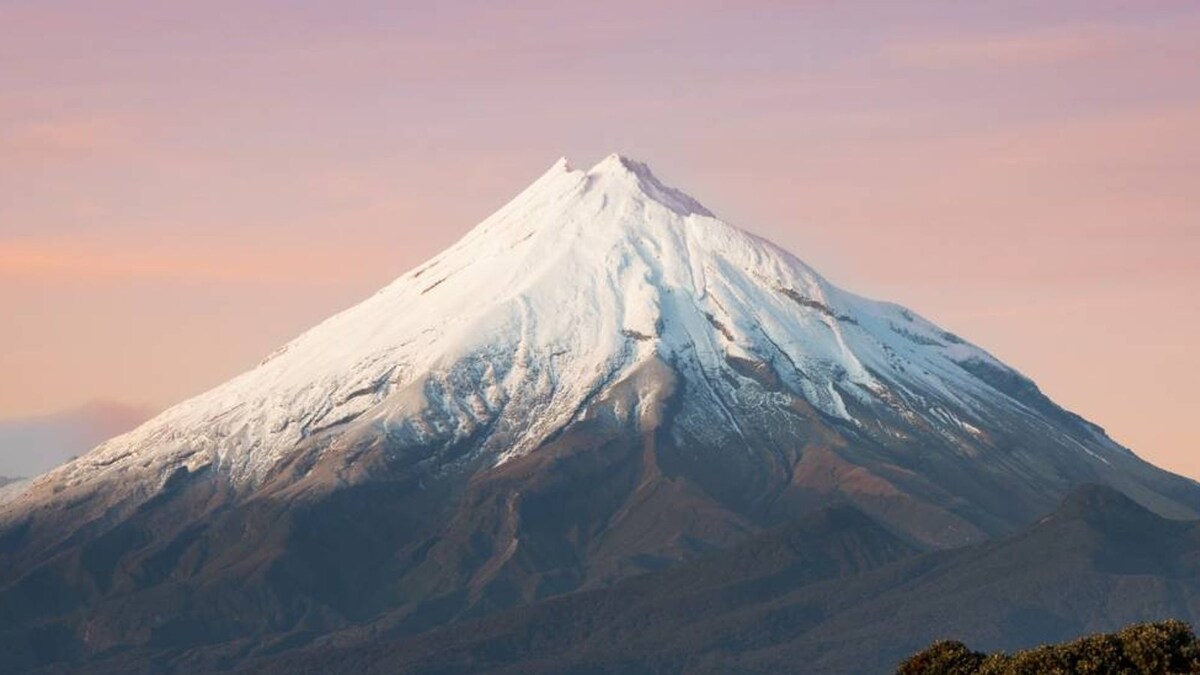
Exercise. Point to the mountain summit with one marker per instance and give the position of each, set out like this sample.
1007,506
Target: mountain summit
601,378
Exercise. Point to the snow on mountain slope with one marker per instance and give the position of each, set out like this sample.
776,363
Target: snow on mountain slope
559,294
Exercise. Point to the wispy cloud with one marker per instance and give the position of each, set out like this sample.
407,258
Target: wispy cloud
61,261
66,138
1040,46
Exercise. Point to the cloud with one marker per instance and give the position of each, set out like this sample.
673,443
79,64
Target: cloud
66,138
63,261
41,260
345,186
1031,47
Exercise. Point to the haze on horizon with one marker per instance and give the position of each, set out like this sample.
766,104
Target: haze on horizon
184,189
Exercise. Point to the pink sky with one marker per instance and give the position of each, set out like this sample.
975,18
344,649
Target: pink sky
185,186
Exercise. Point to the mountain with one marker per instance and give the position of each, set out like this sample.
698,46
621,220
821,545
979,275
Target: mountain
601,379
33,445
779,603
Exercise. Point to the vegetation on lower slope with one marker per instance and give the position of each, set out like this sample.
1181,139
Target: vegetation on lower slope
1163,648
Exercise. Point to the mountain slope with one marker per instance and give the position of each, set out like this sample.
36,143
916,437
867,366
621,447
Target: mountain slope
601,379
1097,563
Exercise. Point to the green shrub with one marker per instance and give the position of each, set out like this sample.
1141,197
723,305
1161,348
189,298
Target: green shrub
1163,648
946,657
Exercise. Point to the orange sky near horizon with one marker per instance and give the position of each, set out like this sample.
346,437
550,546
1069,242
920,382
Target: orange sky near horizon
185,186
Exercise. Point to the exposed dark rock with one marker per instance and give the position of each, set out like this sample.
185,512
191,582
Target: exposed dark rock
834,592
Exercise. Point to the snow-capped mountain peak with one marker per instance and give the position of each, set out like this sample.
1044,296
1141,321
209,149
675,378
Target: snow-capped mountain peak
537,318
598,380
639,176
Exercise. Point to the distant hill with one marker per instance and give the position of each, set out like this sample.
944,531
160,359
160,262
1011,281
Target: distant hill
33,445
1097,563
